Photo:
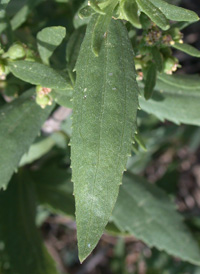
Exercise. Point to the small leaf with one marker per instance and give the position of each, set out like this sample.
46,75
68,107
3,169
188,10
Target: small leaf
192,51
23,243
176,98
130,9
158,58
150,81
39,74
175,13
20,122
48,39
72,51
21,15
85,12
154,13
95,6
101,26
145,211
104,120
63,97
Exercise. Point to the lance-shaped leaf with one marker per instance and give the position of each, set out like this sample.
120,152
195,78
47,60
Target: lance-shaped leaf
104,120
175,13
150,81
72,51
48,39
20,122
146,212
176,98
101,26
23,243
39,74
154,13
187,49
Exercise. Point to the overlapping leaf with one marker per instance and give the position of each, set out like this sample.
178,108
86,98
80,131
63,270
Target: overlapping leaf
39,74
154,13
104,115
175,13
187,49
23,243
20,122
48,39
176,98
146,212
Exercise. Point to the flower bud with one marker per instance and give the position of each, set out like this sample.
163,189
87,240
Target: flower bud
16,51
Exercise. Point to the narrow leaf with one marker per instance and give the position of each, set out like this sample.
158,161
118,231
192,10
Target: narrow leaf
175,13
22,240
187,49
21,15
158,58
72,51
104,120
150,81
176,98
48,39
20,122
39,74
154,13
146,212
101,26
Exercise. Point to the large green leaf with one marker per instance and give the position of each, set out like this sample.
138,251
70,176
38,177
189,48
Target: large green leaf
104,117
20,122
23,243
146,212
39,74
48,39
176,98
175,13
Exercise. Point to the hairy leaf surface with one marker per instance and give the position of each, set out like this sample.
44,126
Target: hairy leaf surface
23,243
146,212
39,74
20,122
104,119
176,98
